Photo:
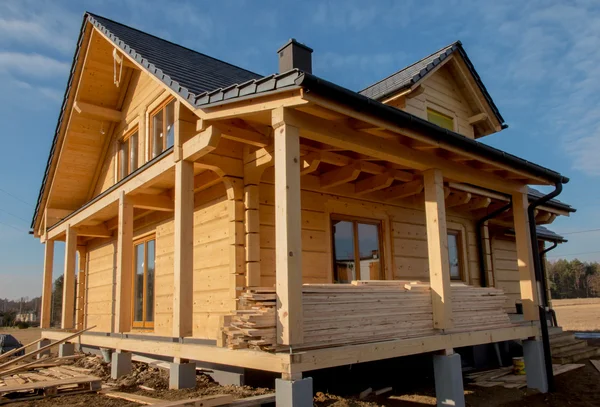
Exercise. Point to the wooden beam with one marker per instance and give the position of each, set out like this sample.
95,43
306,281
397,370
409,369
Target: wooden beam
201,144
97,112
206,180
183,264
124,274
476,202
336,135
310,163
339,176
288,228
373,183
94,231
404,190
529,295
240,131
152,202
252,234
477,118
437,249
68,305
81,277
457,198
46,308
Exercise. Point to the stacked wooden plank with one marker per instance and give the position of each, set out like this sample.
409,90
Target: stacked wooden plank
361,312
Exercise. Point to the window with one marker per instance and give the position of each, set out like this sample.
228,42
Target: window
454,251
162,130
143,283
356,249
128,154
440,119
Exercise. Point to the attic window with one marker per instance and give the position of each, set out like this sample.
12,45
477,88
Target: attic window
440,119
162,131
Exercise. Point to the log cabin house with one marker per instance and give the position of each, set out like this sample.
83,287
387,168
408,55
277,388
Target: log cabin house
285,223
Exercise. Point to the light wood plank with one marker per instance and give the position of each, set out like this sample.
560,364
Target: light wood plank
46,316
124,278
68,305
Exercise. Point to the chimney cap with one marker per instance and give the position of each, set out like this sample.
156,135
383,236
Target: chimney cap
293,41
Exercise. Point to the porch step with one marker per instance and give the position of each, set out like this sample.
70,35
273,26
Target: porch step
554,330
568,346
576,355
561,337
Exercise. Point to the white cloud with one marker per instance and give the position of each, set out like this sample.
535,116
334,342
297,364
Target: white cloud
31,65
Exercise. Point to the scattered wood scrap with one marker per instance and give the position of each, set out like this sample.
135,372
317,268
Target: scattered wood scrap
596,364
361,312
136,398
206,401
36,386
504,376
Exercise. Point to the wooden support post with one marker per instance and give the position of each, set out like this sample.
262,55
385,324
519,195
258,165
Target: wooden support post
288,231
68,305
529,295
437,244
124,276
46,311
487,253
252,230
183,282
235,197
80,303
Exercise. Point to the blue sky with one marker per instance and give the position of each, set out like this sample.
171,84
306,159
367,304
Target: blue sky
539,60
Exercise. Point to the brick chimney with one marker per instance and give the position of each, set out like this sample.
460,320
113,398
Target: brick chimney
295,55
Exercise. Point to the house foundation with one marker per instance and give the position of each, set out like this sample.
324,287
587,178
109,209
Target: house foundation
182,376
41,344
294,393
449,389
120,364
533,351
66,349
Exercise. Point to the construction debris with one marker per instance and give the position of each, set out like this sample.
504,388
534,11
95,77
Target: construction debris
504,376
361,312
596,364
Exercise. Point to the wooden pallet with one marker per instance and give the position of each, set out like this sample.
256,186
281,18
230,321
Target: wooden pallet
52,381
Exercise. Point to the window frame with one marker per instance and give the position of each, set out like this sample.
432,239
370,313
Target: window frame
355,221
160,109
459,252
429,109
127,139
143,325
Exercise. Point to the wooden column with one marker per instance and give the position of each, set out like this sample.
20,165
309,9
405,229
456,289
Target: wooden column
46,311
252,230
288,249
80,303
487,256
183,281
235,197
124,276
437,245
525,257
68,305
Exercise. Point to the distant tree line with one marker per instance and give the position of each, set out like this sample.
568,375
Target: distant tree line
573,279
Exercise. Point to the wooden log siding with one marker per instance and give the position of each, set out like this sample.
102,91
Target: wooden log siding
362,312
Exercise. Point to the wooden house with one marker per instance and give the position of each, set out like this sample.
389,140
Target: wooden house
283,222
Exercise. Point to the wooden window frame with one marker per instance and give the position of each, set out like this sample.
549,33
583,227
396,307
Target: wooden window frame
125,139
355,221
460,252
438,112
143,325
161,108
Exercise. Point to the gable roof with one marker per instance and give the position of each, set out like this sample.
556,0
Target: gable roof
409,76
187,72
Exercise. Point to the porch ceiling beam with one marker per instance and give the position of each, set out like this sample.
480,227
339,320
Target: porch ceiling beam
94,231
458,198
153,202
373,183
339,176
336,135
201,144
310,163
476,202
240,131
404,191
206,180
97,112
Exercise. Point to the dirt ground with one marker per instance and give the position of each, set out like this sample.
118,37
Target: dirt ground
24,336
577,388
582,314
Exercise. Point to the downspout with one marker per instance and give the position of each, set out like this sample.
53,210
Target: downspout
541,281
480,253
542,253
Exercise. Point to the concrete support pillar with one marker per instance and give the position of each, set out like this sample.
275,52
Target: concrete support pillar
120,364
66,349
449,389
533,351
41,344
294,393
182,376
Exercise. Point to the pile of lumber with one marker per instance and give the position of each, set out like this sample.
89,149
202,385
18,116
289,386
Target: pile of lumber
361,312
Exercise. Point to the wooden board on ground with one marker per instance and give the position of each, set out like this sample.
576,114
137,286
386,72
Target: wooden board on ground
136,398
596,364
207,401
504,377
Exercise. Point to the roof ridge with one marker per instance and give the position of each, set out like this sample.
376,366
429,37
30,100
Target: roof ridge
88,13
413,64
